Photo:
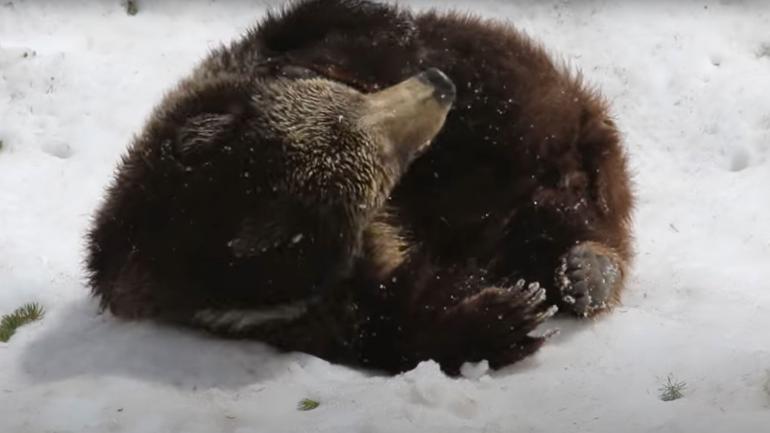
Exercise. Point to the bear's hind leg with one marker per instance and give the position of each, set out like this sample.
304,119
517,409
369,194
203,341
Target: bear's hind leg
584,222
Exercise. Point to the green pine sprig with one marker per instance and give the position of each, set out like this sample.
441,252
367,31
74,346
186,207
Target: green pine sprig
20,317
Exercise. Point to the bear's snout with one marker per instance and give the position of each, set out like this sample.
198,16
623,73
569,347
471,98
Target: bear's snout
444,87
410,114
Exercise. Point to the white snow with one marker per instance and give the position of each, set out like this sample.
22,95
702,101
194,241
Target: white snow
690,85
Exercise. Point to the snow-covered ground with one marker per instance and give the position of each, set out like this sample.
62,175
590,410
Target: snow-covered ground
690,85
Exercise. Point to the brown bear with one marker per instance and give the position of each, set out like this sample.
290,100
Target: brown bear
276,193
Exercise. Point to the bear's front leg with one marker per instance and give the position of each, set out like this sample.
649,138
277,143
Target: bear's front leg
589,277
451,315
494,324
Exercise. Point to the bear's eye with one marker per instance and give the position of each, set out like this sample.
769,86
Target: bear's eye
297,72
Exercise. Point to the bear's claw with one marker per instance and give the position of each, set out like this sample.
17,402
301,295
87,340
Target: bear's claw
503,318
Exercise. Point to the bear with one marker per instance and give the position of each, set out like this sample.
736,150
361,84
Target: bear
252,207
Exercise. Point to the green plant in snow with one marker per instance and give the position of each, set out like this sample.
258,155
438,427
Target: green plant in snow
20,317
672,389
307,404
132,8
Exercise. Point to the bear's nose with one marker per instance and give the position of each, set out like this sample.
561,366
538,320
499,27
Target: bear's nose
444,87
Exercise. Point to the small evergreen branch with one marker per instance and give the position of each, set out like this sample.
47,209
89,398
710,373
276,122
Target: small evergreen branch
1,144
672,389
20,317
307,404
132,8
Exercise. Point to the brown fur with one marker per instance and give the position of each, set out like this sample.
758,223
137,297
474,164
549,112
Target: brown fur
528,165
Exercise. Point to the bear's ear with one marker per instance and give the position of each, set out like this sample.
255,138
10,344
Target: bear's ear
201,133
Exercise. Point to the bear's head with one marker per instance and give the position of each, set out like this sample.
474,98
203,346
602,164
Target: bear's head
284,170
346,149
